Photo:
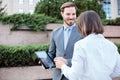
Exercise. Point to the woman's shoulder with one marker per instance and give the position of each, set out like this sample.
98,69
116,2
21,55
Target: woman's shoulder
81,43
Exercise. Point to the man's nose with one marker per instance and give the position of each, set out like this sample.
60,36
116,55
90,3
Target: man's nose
71,16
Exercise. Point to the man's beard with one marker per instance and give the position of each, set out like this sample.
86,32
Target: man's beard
70,23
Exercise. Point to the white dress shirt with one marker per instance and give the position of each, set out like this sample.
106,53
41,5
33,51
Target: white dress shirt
94,58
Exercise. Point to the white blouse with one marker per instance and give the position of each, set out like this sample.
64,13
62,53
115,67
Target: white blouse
94,58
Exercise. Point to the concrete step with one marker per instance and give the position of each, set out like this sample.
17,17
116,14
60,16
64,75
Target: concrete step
25,73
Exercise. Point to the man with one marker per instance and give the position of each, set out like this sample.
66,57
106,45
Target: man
60,45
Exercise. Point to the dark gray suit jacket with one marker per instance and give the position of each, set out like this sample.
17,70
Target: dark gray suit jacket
57,48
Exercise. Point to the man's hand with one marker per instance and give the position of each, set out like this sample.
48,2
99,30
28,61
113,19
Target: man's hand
41,64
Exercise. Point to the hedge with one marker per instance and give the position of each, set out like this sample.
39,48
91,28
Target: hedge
20,55
115,22
35,22
12,56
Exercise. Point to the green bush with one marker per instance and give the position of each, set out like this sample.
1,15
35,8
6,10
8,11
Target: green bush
23,55
20,55
115,22
108,22
35,22
118,45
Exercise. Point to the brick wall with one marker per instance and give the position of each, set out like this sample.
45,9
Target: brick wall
23,36
112,33
20,37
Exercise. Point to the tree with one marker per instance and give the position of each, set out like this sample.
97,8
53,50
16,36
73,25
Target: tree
2,9
50,7
81,6
96,6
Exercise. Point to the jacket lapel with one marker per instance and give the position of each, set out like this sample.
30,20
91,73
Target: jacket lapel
61,38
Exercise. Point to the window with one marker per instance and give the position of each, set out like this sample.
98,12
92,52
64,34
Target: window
21,11
118,1
31,11
20,1
31,2
107,8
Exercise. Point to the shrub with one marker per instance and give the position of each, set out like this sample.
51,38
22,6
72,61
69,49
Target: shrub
115,22
35,22
20,55
23,55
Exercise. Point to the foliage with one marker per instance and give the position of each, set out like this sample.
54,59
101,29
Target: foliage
118,46
84,5
94,5
52,7
81,6
20,55
2,9
11,56
36,22
115,22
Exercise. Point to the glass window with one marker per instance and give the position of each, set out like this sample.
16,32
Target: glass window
118,7
31,11
31,2
20,1
21,11
107,8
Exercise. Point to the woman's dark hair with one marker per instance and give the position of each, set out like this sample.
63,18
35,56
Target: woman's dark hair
89,22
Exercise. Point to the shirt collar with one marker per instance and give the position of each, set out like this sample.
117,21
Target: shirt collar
71,27
96,35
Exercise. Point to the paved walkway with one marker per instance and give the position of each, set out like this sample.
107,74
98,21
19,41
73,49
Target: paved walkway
25,73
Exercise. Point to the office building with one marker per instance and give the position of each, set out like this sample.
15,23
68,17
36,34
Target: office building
111,8
19,6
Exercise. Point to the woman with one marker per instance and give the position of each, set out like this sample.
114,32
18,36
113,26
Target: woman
94,58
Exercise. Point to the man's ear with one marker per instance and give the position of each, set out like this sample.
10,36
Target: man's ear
61,14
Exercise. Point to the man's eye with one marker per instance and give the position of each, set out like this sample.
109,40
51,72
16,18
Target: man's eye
73,14
68,14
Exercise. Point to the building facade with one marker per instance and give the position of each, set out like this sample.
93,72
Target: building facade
19,6
111,8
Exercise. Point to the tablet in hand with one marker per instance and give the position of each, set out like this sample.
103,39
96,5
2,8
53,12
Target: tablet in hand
45,59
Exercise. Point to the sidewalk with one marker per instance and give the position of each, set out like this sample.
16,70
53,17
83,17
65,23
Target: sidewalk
25,73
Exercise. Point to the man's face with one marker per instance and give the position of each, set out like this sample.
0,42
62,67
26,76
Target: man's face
69,15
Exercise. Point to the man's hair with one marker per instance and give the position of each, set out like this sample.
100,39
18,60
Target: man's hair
89,22
67,4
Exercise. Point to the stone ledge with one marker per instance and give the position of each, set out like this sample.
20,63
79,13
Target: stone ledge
25,73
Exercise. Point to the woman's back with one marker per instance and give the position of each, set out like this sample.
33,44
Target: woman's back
100,57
